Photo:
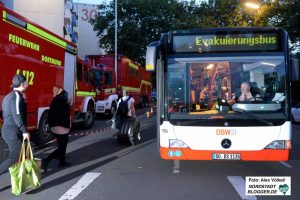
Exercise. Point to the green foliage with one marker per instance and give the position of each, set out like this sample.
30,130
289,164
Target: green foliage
142,21
283,14
139,23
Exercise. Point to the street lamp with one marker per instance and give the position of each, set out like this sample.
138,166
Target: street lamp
116,41
252,5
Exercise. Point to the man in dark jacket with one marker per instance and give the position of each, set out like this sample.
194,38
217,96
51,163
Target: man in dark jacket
15,121
59,123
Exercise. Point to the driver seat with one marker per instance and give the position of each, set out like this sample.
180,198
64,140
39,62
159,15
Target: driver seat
254,89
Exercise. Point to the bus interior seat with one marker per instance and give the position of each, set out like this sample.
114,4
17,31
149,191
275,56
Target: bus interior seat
254,89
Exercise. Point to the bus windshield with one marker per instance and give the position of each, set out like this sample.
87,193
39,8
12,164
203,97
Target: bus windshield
210,88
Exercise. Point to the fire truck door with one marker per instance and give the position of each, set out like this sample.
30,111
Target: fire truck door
69,75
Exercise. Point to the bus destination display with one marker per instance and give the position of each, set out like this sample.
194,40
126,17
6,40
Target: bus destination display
258,42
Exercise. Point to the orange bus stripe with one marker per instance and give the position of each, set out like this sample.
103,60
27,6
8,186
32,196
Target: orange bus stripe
262,155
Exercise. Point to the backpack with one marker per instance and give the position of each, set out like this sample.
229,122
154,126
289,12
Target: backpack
123,110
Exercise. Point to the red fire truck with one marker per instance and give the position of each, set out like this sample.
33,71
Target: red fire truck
46,60
130,76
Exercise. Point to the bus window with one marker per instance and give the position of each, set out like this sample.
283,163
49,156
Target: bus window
177,88
198,86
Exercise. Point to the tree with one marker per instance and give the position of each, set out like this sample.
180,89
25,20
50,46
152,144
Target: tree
228,13
284,14
142,21
139,23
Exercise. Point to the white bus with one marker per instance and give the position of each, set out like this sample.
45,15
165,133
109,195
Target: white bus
202,114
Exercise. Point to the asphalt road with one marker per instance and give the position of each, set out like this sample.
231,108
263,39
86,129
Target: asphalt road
102,169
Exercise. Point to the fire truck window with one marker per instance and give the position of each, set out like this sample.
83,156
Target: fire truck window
92,78
98,77
79,71
108,78
85,74
130,71
133,72
136,73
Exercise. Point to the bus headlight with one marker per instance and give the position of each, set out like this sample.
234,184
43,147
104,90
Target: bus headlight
174,143
277,144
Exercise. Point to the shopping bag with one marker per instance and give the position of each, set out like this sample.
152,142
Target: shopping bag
26,173
117,121
113,120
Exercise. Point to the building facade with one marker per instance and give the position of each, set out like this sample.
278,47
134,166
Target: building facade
68,19
47,13
88,42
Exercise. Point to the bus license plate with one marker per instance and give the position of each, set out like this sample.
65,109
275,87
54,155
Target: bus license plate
226,156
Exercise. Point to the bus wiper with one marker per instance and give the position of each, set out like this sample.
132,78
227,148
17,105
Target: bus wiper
241,111
192,122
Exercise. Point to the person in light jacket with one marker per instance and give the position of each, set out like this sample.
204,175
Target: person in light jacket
14,128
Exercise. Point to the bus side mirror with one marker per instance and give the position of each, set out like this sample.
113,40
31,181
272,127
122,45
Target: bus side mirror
151,55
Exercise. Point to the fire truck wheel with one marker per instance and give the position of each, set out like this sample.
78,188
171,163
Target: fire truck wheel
137,138
43,133
89,117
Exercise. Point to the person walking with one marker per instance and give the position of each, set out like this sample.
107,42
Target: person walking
128,125
130,111
14,128
60,124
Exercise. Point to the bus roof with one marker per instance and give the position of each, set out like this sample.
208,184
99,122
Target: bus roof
226,30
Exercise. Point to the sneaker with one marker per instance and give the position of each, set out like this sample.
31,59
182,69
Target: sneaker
45,164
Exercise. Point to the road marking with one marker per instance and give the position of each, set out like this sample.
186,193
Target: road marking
239,185
76,189
285,164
